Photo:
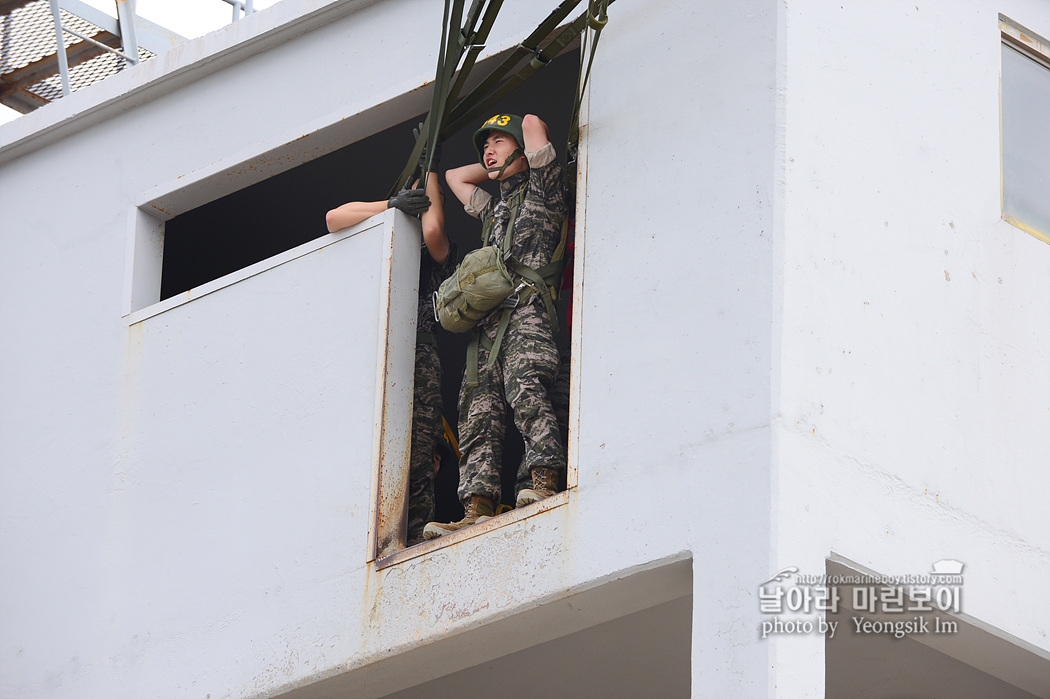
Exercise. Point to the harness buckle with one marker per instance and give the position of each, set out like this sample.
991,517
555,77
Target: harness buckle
514,300
538,60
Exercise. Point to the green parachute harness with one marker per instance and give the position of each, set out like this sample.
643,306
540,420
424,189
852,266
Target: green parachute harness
475,288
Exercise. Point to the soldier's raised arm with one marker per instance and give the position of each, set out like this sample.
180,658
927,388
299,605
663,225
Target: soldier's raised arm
536,133
464,180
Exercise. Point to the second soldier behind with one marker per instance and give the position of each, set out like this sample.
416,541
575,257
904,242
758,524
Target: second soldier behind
437,261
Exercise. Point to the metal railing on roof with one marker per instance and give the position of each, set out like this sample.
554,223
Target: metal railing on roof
50,48
245,6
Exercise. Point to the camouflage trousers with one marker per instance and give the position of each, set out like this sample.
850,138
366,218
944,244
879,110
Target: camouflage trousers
426,432
559,395
521,380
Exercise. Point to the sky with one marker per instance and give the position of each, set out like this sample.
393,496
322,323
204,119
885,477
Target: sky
189,18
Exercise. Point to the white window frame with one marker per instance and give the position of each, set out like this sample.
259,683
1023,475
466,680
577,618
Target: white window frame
1035,47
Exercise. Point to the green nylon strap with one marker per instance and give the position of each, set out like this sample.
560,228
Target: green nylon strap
425,338
597,18
450,53
436,108
515,203
478,101
476,41
453,44
518,152
526,48
493,346
516,197
538,285
542,281
504,323
442,122
470,378
548,272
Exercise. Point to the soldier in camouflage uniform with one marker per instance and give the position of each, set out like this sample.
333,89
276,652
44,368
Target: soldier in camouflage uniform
437,261
427,427
518,154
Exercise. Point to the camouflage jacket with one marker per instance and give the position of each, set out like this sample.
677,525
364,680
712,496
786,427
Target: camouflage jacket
431,274
537,228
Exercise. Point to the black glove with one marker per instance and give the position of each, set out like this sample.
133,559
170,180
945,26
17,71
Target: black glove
412,201
423,154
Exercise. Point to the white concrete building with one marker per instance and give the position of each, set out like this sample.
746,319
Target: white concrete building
806,336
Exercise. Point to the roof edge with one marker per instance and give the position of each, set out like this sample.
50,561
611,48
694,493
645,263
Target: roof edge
174,69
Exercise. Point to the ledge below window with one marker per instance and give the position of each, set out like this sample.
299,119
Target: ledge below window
507,518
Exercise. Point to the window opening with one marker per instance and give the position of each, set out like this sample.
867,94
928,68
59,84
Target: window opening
288,209
549,94
277,214
461,39
1025,104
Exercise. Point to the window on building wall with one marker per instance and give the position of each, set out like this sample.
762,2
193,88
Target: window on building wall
548,94
279,213
229,233
1025,104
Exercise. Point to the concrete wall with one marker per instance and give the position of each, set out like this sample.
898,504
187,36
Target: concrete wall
913,394
674,416
800,326
185,501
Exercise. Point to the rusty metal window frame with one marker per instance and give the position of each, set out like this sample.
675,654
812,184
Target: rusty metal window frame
387,528
1031,46
385,516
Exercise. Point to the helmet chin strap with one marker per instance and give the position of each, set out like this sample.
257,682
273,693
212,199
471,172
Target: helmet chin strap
518,152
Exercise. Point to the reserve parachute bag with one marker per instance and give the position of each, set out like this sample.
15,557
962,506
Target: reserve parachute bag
490,277
480,283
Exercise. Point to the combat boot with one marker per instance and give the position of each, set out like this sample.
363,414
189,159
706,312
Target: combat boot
544,484
478,509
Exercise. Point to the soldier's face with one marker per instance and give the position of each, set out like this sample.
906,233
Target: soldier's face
498,147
